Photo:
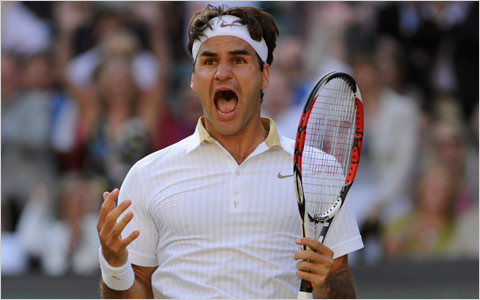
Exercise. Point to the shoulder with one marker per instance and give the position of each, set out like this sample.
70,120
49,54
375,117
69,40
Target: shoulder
151,171
163,156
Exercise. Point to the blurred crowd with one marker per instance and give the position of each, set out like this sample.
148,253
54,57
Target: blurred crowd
88,88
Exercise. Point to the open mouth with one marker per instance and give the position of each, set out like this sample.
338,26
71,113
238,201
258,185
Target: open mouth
226,101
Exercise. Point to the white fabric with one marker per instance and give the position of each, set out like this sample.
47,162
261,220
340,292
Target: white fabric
217,229
228,25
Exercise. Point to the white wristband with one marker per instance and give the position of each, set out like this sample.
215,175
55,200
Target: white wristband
117,278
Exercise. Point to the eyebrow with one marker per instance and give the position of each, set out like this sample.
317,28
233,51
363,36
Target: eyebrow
234,52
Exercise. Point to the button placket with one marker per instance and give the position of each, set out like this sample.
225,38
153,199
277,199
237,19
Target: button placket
236,205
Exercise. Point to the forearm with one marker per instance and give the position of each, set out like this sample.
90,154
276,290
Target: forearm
137,291
337,286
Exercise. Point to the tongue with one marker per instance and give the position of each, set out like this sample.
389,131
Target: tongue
226,106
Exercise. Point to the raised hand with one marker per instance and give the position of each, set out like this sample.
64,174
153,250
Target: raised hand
114,248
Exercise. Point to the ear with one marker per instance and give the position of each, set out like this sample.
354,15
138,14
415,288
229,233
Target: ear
265,76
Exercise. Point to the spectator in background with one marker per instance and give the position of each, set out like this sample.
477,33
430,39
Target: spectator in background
118,137
108,26
26,128
190,110
441,43
278,103
63,238
290,61
11,86
449,148
389,150
427,230
288,88
391,127
11,78
325,48
140,35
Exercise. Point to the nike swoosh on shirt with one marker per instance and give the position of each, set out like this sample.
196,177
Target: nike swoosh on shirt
280,176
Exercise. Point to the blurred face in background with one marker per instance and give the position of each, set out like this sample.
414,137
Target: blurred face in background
37,73
115,81
10,77
366,75
435,191
388,59
120,42
448,145
278,96
288,58
191,108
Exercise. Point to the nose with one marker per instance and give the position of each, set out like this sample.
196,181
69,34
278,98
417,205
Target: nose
224,71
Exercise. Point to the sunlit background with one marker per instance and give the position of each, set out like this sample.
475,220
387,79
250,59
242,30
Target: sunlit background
88,88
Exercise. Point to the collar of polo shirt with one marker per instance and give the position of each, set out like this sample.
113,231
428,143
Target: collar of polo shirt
273,138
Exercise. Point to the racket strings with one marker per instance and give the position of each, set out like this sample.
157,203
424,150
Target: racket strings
328,145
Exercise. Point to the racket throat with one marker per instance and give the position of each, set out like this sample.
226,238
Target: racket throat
323,231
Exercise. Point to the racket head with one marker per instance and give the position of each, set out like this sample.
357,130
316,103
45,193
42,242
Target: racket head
328,146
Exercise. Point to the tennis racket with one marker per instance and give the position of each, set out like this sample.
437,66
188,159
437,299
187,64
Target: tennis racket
327,153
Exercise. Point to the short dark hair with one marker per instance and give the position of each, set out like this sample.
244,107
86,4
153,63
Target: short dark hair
259,24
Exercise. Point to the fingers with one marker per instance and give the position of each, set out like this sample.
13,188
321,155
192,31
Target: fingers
315,263
315,246
130,238
318,253
119,226
107,206
111,224
110,228
315,279
308,266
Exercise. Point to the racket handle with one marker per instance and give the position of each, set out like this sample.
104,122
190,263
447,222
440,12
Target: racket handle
304,295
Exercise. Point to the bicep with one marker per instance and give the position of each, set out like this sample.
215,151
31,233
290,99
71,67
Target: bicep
143,275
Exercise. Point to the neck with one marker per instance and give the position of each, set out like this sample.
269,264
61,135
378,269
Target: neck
240,145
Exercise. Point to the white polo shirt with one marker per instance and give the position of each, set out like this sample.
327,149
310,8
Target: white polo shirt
217,229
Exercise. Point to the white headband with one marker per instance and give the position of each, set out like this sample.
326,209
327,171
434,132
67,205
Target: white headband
227,26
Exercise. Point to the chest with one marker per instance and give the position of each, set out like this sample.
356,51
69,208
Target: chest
225,200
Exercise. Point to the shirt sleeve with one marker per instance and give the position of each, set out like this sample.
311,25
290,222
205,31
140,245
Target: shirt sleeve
344,236
142,251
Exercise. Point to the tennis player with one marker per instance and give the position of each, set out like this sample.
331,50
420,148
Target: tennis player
215,215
